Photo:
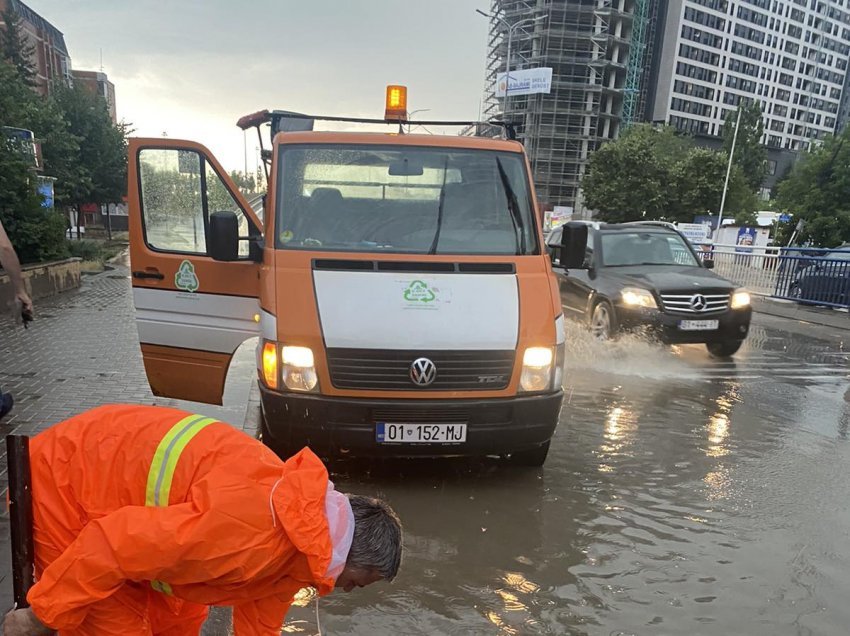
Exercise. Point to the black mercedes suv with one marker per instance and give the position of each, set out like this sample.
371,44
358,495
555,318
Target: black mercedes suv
646,276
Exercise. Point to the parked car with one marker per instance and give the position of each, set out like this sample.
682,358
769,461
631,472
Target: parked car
642,276
825,280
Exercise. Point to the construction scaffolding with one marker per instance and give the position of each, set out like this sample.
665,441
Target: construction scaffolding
586,43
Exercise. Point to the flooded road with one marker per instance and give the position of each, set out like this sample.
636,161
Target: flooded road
681,495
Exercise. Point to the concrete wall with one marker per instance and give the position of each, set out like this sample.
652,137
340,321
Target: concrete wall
43,279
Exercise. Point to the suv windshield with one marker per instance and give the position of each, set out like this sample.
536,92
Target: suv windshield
416,200
622,249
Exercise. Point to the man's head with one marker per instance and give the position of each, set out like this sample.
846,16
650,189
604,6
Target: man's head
375,552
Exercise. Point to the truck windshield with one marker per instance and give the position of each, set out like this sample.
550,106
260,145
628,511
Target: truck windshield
415,200
622,249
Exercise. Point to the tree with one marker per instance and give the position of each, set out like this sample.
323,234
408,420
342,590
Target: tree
750,154
818,192
15,49
656,174
246,183
100,171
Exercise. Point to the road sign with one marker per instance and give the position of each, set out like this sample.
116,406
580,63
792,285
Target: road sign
694,232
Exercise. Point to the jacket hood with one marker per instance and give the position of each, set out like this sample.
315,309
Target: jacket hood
316,518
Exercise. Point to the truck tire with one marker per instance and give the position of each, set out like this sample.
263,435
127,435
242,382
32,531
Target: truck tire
533,458
725,349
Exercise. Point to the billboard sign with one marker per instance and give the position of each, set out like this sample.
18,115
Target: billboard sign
525,82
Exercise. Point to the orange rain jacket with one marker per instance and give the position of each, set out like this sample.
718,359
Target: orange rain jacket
239,527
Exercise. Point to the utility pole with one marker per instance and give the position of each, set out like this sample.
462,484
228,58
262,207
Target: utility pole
729,170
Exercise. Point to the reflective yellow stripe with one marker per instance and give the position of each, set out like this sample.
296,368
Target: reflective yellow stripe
161,472
165,459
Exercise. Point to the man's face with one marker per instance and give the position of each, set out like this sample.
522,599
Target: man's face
352,577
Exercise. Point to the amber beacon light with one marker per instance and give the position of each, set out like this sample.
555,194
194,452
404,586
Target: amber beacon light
396,106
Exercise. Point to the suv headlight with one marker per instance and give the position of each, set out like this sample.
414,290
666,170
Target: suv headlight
740,299
536,369
298,369
637,297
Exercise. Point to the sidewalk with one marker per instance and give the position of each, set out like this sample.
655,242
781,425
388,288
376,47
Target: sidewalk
82,351
824,316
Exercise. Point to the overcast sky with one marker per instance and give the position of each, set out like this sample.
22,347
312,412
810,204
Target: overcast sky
192,68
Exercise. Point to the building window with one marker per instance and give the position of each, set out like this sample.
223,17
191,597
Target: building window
699,55
745,50
693,90
753,35
696,72
705,19
759,19
702,37
717,5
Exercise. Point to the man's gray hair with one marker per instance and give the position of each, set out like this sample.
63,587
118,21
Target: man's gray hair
377,537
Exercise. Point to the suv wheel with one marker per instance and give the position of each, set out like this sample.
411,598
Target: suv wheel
602,321
724,349
533,458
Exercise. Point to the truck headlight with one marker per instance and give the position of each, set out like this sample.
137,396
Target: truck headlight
740,299
298,369
637,297
536,369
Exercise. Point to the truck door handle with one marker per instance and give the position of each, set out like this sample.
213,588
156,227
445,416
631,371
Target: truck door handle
149,275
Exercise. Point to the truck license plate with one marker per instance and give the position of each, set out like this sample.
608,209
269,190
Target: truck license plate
387,433
698,325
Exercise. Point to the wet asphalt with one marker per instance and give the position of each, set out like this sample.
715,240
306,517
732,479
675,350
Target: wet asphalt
682,495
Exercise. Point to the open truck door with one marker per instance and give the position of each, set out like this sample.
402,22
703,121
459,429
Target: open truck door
192,311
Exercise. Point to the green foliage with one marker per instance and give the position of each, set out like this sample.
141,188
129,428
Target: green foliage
246,183
656,174
93,250
750,154
818,192
81,149
15,49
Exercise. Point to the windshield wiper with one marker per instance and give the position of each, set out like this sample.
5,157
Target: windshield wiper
433,248
513,208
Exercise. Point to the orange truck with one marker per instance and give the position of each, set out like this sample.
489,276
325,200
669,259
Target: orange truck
399,286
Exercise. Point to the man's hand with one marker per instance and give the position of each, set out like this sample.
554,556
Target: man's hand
25,300
22,622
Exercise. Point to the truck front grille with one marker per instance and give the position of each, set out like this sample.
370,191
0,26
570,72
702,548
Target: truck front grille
383,370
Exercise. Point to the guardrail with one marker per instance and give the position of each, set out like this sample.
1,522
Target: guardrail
806,275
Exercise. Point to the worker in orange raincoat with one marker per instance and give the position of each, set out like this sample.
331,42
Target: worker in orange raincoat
143,516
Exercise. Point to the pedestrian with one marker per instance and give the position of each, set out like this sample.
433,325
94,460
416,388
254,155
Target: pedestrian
9,262
143,516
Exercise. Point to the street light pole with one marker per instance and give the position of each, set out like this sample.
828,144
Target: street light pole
510,27
729,170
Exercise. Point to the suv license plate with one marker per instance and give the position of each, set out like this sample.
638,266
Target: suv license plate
387,433
698,325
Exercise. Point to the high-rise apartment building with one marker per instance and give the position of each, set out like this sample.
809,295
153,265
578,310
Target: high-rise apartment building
791,56
97,83
687,63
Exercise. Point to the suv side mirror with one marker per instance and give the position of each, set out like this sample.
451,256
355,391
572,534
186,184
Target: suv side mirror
573,245
224,236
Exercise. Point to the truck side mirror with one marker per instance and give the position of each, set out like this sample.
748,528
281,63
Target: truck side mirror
573,245
224,236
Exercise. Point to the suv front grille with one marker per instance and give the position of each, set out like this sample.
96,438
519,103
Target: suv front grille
382,370
684,303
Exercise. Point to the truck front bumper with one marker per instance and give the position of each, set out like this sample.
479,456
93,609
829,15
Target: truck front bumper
348,426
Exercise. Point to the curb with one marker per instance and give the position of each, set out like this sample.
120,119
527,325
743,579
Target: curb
790,310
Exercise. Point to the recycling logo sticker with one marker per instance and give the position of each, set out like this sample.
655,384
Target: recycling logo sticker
185,278
420,295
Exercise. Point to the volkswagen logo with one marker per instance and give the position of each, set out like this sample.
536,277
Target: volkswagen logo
423,372
698,302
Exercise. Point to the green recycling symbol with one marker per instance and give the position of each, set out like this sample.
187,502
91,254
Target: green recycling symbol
418,291
185,278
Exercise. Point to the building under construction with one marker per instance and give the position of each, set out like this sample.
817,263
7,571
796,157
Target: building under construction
598,51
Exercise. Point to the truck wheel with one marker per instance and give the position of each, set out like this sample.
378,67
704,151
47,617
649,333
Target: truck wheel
724,349
533,458
603,322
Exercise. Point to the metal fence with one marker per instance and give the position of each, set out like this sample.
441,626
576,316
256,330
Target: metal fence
806,275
